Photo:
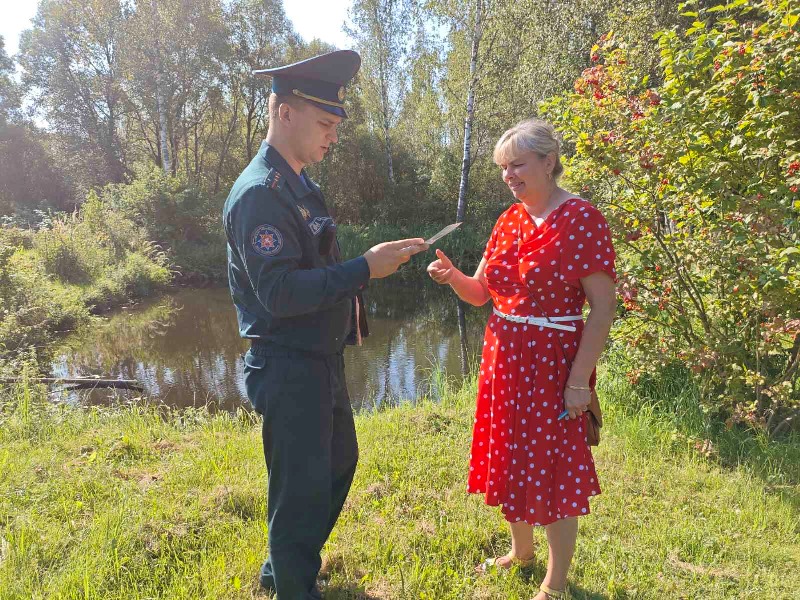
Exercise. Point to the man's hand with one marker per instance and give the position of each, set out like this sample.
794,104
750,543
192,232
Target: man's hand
384,259
441,270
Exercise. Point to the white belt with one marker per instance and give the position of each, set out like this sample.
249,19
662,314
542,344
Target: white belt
542,321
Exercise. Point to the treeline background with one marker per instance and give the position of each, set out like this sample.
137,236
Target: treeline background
112,88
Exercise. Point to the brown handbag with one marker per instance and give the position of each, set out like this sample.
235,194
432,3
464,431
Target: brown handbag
594,420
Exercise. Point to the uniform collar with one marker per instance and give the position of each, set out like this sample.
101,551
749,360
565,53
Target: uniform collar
273,157
311,183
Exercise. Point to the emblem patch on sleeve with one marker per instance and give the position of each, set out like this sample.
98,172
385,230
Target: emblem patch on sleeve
267,240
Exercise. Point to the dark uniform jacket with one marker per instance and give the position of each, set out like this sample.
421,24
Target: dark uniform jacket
286,277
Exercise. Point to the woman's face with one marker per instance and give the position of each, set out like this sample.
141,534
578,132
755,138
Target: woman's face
527,174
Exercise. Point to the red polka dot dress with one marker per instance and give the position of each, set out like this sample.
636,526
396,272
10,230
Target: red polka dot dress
537,468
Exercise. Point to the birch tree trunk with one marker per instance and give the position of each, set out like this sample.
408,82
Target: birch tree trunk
386,135
163,140
383,68
466,162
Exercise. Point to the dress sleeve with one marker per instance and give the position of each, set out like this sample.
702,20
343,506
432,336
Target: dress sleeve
588,247
491,245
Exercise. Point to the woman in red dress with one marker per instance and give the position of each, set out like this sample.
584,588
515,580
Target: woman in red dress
548,254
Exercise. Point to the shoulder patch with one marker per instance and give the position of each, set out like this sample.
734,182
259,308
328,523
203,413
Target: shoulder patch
267,240
274,179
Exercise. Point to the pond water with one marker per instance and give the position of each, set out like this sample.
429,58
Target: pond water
185,350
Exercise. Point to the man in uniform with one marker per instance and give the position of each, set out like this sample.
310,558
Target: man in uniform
299,303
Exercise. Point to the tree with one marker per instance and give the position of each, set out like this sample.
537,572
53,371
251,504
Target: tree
172,59
28,178
71,68
261,37
381,29
700,179
466,161
9,91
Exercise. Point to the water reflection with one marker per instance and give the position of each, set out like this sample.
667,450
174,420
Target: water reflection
186,351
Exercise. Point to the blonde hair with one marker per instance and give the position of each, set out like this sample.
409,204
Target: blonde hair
531,135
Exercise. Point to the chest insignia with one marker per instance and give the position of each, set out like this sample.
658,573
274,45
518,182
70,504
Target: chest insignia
317,224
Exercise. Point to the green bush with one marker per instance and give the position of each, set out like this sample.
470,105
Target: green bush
185,222
136,276
32,305
207,258
52,279
699,179
68,253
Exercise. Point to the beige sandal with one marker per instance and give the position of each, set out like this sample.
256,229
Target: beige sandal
554,594
491,563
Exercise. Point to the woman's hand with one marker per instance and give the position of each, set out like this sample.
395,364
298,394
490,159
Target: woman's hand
576,402
441,270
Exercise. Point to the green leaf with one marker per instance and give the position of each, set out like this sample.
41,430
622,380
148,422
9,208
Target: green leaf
786,341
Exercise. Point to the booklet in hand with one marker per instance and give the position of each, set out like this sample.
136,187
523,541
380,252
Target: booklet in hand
440,234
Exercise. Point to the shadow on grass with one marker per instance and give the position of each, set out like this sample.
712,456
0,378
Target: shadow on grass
345,591
537,574
338,591
578,593
673,399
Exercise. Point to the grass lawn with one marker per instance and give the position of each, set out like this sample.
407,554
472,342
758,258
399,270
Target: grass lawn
138,503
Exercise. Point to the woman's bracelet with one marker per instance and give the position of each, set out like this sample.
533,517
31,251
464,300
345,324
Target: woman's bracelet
579,387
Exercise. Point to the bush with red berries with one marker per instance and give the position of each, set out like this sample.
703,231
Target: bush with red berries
698,177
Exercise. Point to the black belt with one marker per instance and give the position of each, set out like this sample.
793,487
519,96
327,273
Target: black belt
270,348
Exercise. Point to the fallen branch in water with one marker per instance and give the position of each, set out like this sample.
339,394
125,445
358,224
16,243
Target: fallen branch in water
79,383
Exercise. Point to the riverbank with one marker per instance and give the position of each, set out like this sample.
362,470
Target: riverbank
142,503
52,281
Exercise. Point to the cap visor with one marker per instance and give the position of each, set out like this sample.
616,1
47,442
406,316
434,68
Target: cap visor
331,109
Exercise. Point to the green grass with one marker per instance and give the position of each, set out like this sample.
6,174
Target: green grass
142,503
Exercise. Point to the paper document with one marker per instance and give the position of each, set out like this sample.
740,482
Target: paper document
439,235
436,236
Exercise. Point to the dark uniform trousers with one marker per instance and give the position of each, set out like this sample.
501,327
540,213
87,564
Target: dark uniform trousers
311,453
